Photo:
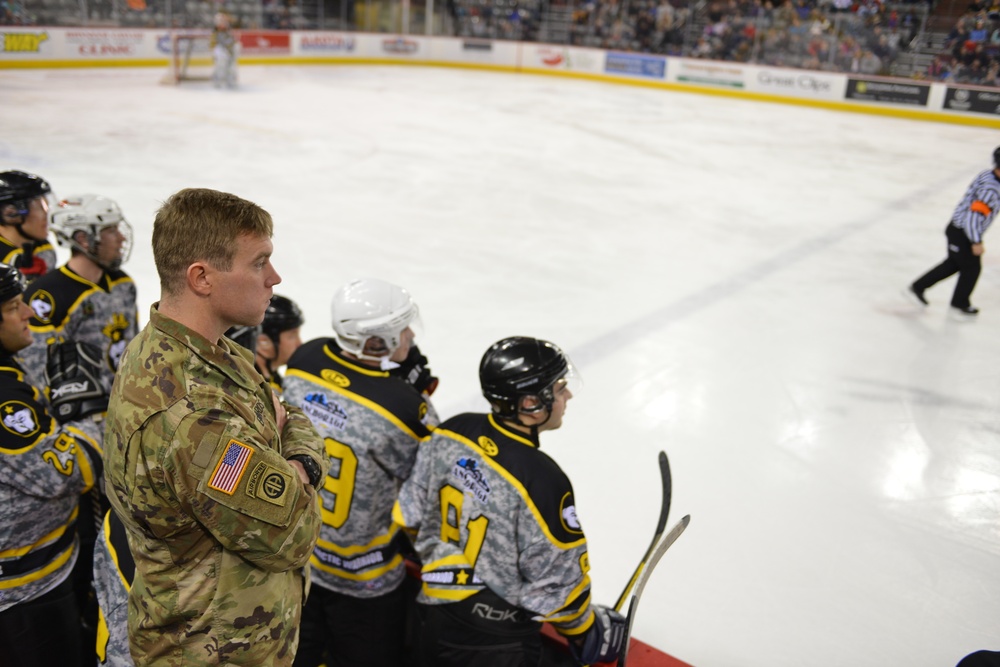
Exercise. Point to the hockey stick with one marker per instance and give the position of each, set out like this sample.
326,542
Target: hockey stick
660,526
640,583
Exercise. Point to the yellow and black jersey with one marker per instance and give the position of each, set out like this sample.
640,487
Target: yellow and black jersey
67,306
114,571
372,424
44,468
491,510
33,265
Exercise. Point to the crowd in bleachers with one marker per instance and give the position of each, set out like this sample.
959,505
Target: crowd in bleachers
865,36
972,48
862,36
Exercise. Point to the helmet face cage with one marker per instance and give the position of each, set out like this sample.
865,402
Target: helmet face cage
90,215
245,336
367,309
518,368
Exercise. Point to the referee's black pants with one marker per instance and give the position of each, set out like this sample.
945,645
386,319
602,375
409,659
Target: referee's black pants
960,260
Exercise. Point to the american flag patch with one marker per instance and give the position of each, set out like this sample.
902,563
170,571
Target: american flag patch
231,468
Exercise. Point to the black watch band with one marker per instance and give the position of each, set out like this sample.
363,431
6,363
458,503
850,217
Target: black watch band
312,468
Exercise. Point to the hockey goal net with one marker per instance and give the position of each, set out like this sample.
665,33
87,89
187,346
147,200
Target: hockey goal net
190,57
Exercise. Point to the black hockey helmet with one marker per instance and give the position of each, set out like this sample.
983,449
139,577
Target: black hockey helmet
18,189
996,157
282,314
245,336
11,283
520,366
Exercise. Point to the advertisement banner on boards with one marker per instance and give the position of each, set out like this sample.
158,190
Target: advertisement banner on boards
633,64
711,73
900,92
16,43
976,101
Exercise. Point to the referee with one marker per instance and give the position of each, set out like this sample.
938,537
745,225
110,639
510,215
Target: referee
965,240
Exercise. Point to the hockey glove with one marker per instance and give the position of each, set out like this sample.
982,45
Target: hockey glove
414,370
73,375
603,641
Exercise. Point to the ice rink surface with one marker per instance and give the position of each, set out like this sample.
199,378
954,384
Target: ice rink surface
725,274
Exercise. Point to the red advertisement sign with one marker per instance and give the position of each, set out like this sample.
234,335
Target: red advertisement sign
264,42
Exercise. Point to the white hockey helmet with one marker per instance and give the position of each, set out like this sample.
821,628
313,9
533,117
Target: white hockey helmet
368,308
90,214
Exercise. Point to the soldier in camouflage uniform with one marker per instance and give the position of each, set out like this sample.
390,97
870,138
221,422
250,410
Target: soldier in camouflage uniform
89,298
25,200
373,422
496,528
44,468
212,477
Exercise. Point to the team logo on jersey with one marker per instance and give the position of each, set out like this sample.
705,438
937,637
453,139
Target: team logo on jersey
320,410
488,446
567,512
334,377
19,418
115,330
43,304
422,413
472,478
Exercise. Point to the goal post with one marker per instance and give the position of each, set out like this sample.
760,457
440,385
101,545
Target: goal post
190,57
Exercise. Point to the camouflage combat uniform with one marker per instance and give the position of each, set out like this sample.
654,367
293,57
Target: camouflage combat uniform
218,522
70,307
495,516
372,424
44,468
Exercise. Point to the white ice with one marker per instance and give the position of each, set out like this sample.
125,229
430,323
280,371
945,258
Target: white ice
726,275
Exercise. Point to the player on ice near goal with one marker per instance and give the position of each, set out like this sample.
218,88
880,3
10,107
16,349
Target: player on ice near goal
495,526
223,45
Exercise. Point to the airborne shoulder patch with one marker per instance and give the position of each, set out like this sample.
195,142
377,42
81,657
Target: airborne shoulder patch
269,484
230,468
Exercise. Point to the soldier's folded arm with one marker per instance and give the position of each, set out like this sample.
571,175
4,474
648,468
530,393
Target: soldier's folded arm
300,438
244,491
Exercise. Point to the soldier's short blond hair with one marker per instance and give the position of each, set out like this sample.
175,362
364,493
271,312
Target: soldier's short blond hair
202,225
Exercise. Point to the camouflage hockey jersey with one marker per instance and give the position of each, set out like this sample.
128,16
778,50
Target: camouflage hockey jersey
114,571
491,510
218,522
372,424
70,307
42,260
44,468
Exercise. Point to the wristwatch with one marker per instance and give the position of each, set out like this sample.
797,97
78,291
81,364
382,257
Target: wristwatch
312,468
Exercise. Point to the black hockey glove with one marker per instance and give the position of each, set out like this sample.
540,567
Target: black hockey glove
603,641
73,375
414,370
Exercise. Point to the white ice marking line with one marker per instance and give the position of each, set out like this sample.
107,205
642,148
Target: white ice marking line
612,341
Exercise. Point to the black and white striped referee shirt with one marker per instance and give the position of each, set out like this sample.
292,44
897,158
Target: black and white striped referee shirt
979,206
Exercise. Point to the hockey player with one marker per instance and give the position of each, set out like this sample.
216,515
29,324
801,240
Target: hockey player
372,422
496,528
223,44
279,338
89,298
25,200
44,468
